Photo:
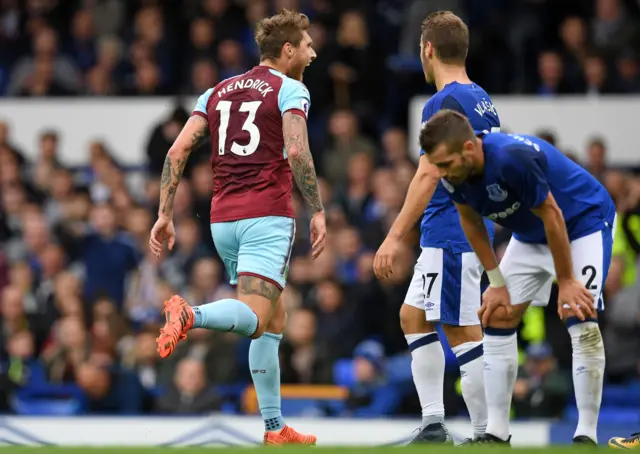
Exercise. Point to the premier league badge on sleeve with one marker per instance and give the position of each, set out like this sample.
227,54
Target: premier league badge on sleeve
496,193
305,106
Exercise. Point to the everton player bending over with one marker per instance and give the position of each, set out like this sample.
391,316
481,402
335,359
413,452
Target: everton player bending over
562,222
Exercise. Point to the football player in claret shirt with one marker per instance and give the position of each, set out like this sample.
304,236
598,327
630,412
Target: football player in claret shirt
257,123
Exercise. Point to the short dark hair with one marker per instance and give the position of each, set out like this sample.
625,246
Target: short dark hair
448,34
597,141
448,127
274,32
49,134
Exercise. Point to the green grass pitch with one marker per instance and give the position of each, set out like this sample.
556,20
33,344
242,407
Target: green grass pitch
291,450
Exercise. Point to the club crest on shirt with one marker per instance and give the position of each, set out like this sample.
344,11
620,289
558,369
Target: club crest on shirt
448,186
496,193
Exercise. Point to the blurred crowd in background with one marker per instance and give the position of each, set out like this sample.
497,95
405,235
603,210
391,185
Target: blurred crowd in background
81,295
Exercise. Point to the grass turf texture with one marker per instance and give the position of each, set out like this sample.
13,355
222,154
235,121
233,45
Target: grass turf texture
294,449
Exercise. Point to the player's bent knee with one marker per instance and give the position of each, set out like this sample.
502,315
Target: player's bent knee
568,315
500,318
261,296
413,320
458,335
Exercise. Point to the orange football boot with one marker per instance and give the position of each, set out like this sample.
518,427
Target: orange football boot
288,436
180,318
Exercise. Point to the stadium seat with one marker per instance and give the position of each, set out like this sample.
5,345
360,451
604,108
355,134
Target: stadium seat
302,400
343,372
612,415
46,407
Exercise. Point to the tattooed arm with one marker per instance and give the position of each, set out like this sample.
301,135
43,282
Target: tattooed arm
192,135
296,143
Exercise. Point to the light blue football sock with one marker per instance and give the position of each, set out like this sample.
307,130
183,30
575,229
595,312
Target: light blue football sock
226,315
265,371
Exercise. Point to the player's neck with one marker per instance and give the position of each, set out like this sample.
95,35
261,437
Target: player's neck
446,74
478,159
274,65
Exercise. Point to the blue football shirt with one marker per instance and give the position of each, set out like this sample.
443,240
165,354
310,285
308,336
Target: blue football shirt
519,173
440,227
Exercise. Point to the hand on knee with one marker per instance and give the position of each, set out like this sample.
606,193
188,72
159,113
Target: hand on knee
503,320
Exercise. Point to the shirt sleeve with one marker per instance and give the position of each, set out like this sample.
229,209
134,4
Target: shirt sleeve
201,104
426,114
525,173
294,97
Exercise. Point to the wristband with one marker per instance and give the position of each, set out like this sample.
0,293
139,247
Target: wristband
495,278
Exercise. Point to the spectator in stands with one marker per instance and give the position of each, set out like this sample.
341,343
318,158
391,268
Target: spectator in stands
143,360
597,77
573,32
202,185
622,331
14,319
348,249
22,277
355,195
146,289
371,395
347,141
4,271
162,137
109,391
547,135
24,369
394,146
68,348
108,256
206,283
99,82
189,249
303,358
597,157
146,81
202,40
541,390
82,44
629,72
611,27
45,71
338,319
355,72
190,393
231,59
551,73
204,75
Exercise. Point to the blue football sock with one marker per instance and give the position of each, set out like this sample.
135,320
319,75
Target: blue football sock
265,371
226,315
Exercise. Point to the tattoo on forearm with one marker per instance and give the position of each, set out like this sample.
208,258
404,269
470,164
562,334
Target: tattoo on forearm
174,167
169,181
296,143
250,285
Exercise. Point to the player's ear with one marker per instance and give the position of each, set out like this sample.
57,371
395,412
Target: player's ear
428,49
287,50
468,147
